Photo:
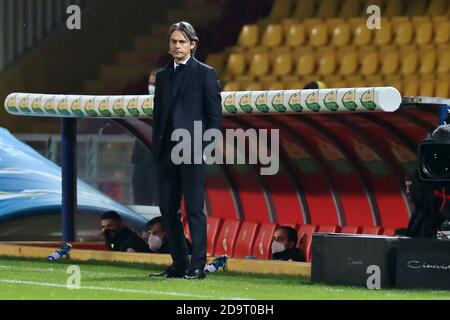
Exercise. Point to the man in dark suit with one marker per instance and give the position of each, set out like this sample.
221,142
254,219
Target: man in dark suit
186,91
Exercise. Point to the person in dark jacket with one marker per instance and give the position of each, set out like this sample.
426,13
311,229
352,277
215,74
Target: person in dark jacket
119,237
284,245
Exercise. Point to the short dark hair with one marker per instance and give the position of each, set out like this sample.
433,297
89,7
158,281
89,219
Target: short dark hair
155,221
291,232
111,215
188,30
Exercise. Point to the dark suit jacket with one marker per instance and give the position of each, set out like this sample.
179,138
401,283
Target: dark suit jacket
198,99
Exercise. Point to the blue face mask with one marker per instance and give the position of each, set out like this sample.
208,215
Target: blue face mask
151,89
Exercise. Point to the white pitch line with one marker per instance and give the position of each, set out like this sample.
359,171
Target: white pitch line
168,293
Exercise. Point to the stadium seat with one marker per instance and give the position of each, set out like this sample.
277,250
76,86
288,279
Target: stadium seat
390,232
409,61
423,30
282,64
245,78
355,81
273,86
384,35
374,81
263,241
443,66
426,87
248,36
404,32
318,35
362,36
259,65
327,9
427,61
213,230
236,63
390,62
437,7
245,240
251,86
393,8
304,10
231,86
340,34
442,89
369,62
306,231
280,9
371,230
294,85
296,35
416,7
227,238
273,36
394,81
217,61
351,230
306,64
336,82
326,63
411,86
441,31
348,62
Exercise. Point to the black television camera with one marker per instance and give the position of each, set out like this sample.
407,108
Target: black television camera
434,156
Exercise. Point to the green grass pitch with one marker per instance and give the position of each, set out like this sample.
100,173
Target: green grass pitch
39,279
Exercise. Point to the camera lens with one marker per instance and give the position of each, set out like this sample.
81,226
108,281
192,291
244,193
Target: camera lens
436,161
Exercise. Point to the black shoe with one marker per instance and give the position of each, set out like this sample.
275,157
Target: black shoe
197,274
169,273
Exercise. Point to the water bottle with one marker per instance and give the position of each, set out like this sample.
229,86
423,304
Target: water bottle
61,252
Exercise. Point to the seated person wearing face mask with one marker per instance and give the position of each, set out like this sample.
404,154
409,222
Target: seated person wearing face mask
284,245
157,240
118,237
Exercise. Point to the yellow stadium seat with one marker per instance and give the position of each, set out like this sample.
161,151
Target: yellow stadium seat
287,23
282,64
362,36
250,52
437,7
374,81
393,81
273,36
244,78
251,86
424,31
416,7
231,86
318,35
350,8
236,63
441,31
369,62
383,36
340,34
336,82
296,35
393,8
327,9
442,89
411,86
280,9
306,64
427,85
326,63
294,85
427,60
260,64
404,32
274,86
268,78
304,9
217,61
409,61
248,36
355,81
443,66
348,62
389,62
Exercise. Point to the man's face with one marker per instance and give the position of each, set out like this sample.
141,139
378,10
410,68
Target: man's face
281,236
180,46
157,230
110,224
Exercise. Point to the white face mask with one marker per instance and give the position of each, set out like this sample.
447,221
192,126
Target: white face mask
151,89
154,242
277,247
